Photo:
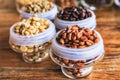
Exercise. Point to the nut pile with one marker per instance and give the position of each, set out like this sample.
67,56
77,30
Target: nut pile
31,49
72,63
35,57
74,13
25,2
38,7
75,37
76,72
31,26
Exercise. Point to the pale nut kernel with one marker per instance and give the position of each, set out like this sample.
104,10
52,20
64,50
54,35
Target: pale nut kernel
30,47
23,48
13,46
30,50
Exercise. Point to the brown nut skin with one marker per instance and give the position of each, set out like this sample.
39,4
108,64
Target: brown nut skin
76,37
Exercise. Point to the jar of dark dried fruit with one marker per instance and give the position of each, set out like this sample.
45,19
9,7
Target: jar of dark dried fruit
76,50
75,15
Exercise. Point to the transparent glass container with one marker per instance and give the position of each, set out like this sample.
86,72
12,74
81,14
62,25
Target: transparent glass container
80,59
21,3
117,2
96,4
34,53
34,48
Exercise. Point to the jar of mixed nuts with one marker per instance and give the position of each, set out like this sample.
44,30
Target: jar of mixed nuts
32,37
44,9
75,15
76,49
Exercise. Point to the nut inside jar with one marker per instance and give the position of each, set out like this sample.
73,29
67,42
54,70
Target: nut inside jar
38,7
30,37
74,63
75,73
74,13
75,38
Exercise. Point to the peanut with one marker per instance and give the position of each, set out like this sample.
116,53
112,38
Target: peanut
75,37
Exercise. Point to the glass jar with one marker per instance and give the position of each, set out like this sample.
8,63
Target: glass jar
89,22
80,59
34,48
117,2
94,4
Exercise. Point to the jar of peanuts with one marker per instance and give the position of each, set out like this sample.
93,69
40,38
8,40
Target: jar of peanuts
32,38
43,9
75,15
21,3
76,49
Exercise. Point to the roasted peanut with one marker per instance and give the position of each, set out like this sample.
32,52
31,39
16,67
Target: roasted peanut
75,37
38,6
74,13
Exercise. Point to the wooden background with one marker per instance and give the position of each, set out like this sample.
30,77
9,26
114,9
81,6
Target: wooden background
12,67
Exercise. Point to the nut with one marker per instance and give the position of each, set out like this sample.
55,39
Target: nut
23,48
31,26
38,6
76,72
74,13
71,63
75,37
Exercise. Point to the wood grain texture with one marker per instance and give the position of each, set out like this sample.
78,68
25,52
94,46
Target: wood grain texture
7,4
12,67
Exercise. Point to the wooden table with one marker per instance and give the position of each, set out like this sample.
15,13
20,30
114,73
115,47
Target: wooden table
12,67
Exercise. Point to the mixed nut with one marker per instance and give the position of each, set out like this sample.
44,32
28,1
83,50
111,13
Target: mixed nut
76,37
74,13
38,7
